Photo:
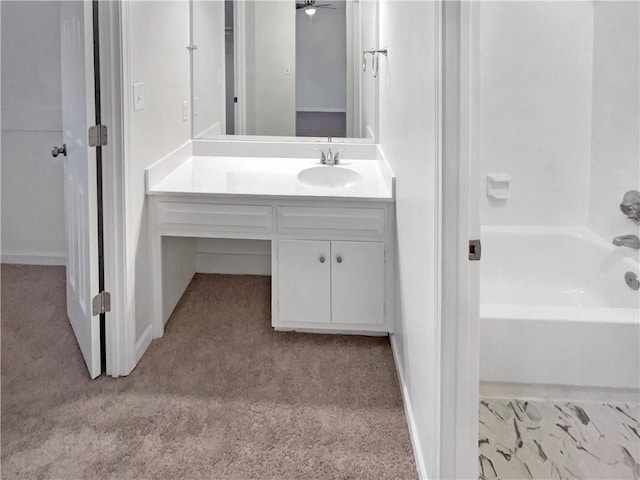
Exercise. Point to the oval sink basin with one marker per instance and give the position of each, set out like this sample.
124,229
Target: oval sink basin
329,176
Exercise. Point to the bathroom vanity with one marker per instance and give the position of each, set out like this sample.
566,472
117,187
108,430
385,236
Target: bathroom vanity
330,228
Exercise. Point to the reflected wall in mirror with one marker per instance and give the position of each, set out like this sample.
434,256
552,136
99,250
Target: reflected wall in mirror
271,68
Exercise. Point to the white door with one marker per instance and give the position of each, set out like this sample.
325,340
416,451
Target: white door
304,281
357,282
81,215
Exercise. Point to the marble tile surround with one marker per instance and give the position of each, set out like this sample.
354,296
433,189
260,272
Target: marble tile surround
523,439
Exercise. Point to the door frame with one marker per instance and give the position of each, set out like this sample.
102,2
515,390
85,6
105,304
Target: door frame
119,332
460,173
352,13
240,65
460,223
369,132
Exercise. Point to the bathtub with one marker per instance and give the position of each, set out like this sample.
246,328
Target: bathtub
555,309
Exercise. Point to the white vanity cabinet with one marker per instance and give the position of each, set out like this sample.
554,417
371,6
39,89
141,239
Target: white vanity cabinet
332,249
330,282
331,269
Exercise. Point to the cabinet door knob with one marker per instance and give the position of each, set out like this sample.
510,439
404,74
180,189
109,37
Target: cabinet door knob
321,259
339,259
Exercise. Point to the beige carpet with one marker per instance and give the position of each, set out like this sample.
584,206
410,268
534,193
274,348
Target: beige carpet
220,396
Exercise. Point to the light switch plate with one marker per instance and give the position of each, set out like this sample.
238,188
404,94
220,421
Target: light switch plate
185,110
138,96
195,106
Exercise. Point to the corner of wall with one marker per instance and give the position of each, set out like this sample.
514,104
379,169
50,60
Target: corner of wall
408,411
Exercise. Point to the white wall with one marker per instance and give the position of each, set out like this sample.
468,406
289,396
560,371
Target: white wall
32,181
209,68
408,139
536,62
271,93
233,256
615,160
321,59
157,34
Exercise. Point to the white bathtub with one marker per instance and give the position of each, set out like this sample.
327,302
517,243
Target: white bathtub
555,309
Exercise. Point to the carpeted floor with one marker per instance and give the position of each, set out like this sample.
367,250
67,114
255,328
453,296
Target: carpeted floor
220,396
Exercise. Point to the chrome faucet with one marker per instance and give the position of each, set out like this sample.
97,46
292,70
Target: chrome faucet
329,157
631,241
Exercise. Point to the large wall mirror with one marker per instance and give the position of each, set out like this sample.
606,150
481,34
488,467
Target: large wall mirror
283,68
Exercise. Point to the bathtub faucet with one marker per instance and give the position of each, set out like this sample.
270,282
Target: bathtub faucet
631,241
630,205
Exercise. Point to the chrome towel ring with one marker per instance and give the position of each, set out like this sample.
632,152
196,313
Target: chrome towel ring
375,60
371,52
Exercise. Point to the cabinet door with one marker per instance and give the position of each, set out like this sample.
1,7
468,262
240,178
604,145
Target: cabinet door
304,277
357,282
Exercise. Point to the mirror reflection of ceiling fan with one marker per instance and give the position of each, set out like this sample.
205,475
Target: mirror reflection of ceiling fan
310,6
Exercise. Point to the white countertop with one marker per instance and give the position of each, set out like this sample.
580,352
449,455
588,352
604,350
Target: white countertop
270,177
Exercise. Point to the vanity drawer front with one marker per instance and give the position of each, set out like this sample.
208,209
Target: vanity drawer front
368,222
217,217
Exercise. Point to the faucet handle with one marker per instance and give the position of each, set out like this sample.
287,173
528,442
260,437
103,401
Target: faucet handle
336,156
323,155
630,205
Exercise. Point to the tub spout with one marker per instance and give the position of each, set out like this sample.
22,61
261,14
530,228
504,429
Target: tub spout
631,241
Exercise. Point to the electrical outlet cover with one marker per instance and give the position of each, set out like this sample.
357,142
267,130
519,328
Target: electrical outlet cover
138,96
185,110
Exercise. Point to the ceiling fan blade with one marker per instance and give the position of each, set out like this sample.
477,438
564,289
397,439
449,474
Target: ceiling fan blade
325,6
300,5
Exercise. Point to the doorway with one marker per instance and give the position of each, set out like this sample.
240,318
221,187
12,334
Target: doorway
558,379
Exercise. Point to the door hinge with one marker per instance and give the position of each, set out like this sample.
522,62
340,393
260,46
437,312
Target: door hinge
97,136
475,250
101,303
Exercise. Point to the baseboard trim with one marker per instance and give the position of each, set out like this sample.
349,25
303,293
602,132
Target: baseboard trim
408,412
569,393
144,342
233,263
333,331
35,258
321,110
